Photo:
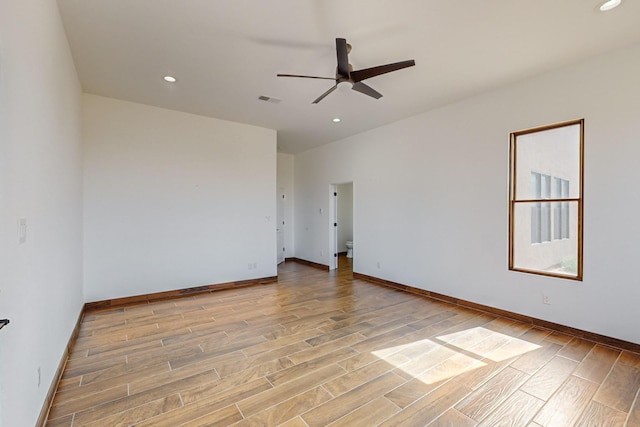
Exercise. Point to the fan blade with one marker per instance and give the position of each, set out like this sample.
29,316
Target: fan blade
367,73
367,90
321,97
305,77
343,57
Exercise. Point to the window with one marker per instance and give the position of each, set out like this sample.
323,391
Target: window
545,200
540,212
561,209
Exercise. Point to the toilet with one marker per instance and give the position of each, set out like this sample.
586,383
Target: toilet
349,249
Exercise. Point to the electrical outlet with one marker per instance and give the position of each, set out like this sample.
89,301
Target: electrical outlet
546,299
39,376
378,265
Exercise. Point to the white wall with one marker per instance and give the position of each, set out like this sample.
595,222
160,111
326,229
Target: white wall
40,180
432,191
174,200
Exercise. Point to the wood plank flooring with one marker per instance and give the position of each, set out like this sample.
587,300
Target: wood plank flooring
322,349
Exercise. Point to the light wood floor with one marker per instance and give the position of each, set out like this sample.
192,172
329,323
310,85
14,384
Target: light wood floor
320,349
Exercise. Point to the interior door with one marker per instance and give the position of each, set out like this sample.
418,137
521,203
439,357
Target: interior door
333,228
280,226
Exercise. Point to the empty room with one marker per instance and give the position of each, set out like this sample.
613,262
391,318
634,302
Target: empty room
319,213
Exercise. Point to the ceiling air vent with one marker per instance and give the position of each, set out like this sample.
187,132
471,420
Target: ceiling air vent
269,99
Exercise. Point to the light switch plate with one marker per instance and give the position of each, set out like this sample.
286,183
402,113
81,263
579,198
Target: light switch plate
22,230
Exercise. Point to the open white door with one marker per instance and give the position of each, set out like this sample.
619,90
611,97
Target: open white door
333,227
280,229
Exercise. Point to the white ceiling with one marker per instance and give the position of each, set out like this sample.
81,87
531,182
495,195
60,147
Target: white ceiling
226,53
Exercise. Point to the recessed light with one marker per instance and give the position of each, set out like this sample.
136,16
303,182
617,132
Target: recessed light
610,4
170,79
336,120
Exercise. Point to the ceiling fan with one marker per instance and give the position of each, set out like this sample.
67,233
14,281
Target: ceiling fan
346,74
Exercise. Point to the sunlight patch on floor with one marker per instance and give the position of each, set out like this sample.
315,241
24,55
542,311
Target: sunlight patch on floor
512,346
437,359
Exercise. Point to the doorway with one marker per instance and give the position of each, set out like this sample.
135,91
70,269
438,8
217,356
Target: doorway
341,222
